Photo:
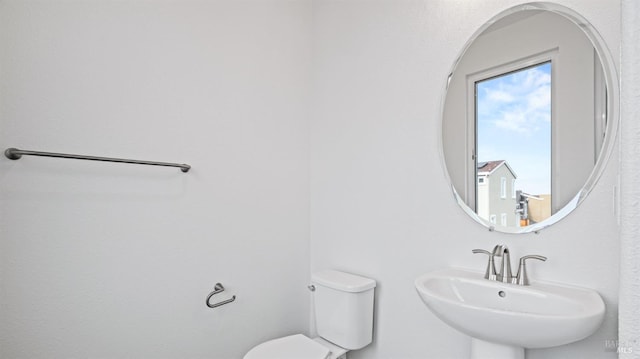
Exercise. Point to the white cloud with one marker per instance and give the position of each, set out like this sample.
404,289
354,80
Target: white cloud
500,96
519,102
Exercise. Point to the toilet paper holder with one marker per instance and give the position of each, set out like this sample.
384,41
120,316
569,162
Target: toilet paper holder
219,288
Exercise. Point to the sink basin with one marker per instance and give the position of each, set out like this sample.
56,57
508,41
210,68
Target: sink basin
536,316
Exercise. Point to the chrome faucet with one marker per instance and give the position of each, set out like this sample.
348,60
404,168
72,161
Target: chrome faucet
490,272
522,278
504,274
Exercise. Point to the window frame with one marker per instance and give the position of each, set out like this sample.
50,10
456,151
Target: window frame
551,56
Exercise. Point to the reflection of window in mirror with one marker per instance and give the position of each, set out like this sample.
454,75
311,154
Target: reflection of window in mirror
544,48
513,145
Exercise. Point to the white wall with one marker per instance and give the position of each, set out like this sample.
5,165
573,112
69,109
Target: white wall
630,182
110,260
380,205
105,260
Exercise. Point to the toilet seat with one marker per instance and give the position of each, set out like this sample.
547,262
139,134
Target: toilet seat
295,346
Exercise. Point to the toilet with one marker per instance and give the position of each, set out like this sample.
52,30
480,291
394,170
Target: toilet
343,305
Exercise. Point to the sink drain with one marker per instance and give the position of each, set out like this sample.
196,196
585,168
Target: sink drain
502,294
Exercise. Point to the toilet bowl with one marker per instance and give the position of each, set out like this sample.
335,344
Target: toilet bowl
296,346
343,304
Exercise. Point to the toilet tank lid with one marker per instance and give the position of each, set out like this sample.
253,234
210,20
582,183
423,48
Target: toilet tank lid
342,281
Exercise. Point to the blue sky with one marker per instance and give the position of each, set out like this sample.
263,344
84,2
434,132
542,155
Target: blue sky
514,124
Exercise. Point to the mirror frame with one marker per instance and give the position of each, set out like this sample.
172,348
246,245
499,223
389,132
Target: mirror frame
613,96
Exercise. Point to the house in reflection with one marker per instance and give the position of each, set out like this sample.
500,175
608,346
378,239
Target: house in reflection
496,193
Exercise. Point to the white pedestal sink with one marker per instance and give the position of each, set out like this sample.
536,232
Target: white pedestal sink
503,319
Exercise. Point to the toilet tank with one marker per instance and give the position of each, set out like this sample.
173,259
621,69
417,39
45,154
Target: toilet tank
344,308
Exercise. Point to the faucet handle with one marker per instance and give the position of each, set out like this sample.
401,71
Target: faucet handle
481,251
522,278
490,267
533,256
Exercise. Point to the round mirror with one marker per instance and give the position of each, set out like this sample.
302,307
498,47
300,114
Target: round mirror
529,117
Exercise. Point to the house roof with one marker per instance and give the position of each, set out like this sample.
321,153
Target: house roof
487,168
